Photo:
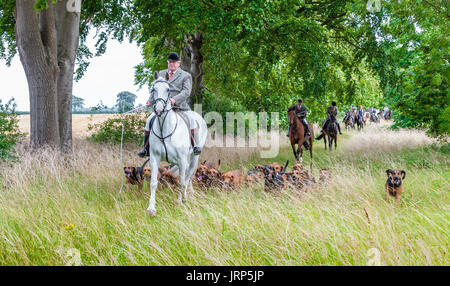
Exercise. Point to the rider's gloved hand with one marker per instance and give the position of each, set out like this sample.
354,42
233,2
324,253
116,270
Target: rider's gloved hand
148,103
172,101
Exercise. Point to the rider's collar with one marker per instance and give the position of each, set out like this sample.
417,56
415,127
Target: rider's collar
175,72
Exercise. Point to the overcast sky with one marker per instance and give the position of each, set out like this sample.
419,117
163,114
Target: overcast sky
106,76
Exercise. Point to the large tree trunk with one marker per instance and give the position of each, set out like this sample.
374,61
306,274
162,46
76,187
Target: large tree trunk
36,42
192,61
47,44
68,34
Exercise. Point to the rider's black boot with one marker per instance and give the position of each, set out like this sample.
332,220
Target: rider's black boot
145,152
194,139
339,128
308,131
289,130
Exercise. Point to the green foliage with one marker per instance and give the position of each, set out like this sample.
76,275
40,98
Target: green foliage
108,18
263,55
77,103
411,58
110,131
9,129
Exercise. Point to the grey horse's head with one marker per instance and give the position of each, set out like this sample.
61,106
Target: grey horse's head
160,90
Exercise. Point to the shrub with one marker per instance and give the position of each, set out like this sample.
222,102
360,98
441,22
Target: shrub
110,131
9,129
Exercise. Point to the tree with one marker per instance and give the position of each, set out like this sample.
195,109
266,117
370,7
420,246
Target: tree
9,129
125,101
410,55
100,107
77,103
49,36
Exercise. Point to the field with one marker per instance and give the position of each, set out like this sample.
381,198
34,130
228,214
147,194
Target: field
80,122
54,209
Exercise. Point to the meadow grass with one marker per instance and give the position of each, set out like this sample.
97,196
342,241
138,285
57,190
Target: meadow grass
43,194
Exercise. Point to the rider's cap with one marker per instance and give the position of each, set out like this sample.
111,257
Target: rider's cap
300,100
333,103
173,57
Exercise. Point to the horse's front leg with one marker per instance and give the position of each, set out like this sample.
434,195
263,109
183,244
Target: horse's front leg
301,153
335,142
295,152
182,164
154,163
325,141
190,171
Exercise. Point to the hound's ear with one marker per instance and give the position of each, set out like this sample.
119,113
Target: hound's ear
155,75
404,174
204,162
388,171
124,168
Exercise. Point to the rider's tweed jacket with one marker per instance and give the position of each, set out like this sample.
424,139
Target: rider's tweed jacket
182,86
331,112
301,113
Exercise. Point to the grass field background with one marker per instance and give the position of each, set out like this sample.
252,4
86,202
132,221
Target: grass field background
54,207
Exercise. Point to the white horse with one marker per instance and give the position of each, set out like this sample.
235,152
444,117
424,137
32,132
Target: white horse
170,136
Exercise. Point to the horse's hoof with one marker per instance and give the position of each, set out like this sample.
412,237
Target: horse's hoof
151,212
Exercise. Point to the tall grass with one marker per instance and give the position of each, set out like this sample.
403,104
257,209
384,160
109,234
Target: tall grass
43,194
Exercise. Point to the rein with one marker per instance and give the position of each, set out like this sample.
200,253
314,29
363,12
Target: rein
161,138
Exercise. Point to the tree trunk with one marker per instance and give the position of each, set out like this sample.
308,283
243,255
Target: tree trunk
36,42
192,61
47,44
68,34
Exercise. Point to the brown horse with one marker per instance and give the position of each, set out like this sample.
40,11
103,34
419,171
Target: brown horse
366,117
331,131
388,115
297,136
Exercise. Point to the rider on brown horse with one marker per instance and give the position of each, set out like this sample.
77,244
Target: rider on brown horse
300,111
332,111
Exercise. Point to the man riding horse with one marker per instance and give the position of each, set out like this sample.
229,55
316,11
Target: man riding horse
332,112
348,114
361,111
180,91
374,115
300,111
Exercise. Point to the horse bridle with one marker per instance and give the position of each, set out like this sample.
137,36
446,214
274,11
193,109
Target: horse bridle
162,138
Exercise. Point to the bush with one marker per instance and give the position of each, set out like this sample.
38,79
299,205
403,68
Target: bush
9,129
110,131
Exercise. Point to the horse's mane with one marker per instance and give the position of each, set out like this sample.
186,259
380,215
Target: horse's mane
292,116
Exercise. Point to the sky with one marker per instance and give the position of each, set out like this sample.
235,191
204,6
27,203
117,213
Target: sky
105,77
